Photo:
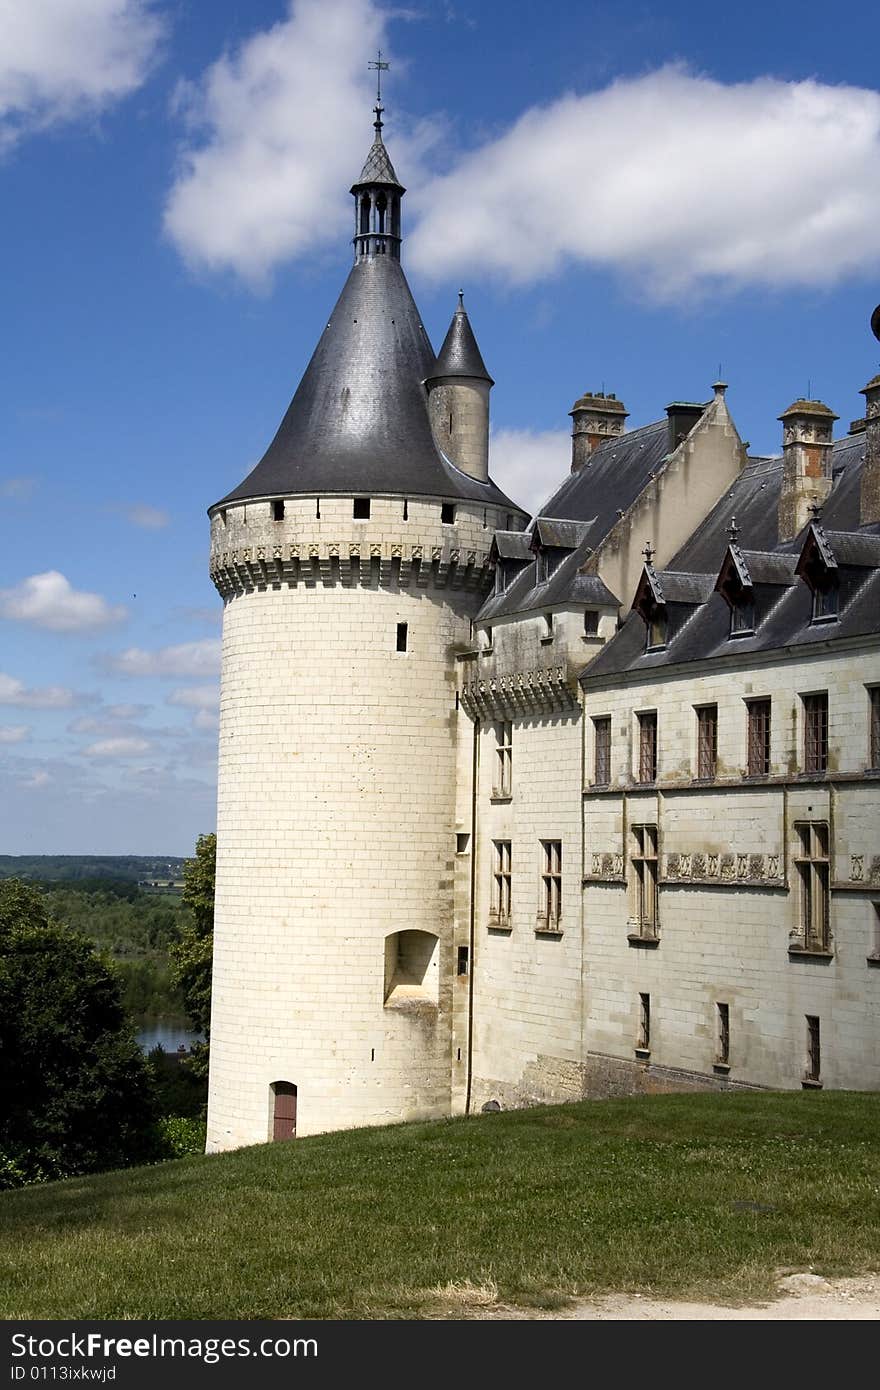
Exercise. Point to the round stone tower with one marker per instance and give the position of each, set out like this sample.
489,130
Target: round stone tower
350,562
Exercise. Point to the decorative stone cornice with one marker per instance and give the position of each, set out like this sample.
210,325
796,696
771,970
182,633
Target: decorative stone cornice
367,564
549,690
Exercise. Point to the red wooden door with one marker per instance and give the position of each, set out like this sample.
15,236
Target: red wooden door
285,1111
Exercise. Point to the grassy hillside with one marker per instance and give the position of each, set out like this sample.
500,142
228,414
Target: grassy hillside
681,1194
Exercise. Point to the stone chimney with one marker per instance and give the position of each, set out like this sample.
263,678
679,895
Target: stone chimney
596,417
869,506
682,416
806,463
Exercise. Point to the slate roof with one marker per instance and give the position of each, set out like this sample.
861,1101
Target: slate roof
378,167
459,355
358,422
611,479
753,499
581,513
564,585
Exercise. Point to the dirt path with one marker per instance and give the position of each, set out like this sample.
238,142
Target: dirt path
803,1297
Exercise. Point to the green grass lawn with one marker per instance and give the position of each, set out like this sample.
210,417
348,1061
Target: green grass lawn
705,1194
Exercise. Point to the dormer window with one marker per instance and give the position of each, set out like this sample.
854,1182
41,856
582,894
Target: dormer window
658,627
826,601
742,614
543,567
500,578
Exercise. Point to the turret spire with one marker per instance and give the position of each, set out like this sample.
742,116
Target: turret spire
378,192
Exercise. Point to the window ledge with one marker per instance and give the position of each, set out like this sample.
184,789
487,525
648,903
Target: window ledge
810,953
810,1084
873,959
545,928
500,924
643,1053
501,798
547,641
636,939
721,1067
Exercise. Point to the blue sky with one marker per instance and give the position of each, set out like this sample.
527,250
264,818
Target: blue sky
629,195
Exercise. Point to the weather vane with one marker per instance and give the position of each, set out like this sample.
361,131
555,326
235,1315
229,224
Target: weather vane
379,67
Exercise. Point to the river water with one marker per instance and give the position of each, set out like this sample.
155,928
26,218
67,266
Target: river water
169,1032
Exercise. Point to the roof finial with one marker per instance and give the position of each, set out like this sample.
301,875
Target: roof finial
648,552
380,67
461,299
733,530
815,510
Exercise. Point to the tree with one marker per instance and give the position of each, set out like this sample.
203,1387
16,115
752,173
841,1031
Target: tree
75,1091
193,954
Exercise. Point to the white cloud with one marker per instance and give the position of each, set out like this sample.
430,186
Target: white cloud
14,733
127,711
283,127
529,465
36,779
63,59
143,515
17,489
206,719
672,178
196,697
118,748
15,692
49,600
199,659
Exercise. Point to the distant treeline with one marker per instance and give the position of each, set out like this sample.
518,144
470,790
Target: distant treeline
134,928
50,868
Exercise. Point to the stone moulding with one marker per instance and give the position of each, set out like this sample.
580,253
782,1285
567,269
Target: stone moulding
522,692
604,867
744,870
250,569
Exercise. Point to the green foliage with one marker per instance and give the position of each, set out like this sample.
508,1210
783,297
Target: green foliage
75,1094
135,928
193,953
686,1195
182,1135
180,1085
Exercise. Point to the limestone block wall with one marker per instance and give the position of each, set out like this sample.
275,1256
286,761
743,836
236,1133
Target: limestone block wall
336,827
730,895
528,1001
459,413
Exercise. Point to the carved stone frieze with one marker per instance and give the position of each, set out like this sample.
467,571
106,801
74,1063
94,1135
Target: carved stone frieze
699,866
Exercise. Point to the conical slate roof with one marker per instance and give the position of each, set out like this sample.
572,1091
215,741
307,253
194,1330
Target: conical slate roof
378,167
358,422
459,355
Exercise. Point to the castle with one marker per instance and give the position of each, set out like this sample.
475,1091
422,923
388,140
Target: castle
515,811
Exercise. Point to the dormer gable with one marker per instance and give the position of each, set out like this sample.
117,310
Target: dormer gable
834,565
750,582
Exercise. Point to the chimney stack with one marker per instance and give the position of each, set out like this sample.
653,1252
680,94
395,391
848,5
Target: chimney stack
869,506
806,463
596,417
682,416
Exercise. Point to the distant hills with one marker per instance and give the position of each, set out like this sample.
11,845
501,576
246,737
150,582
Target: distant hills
54,868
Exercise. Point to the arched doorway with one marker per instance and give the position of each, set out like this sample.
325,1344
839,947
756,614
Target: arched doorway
284,1113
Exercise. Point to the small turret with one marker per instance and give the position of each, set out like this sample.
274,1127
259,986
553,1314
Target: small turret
458,398
377,196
